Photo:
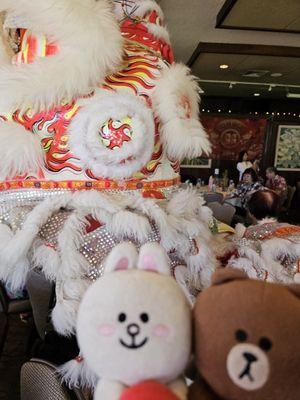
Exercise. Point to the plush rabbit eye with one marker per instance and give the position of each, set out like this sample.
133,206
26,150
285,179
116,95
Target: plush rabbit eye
241,336
122,317
144,317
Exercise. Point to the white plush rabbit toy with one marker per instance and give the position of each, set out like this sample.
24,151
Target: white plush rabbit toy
134,324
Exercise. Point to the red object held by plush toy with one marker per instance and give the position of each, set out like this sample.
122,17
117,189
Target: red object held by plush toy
148,391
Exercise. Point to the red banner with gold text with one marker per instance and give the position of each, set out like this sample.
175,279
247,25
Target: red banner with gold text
230,136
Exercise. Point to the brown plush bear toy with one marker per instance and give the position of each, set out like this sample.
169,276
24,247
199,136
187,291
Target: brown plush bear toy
247,340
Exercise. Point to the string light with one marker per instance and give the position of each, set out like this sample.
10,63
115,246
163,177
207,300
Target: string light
284,114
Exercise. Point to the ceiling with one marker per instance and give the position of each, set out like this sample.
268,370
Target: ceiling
278,15
193,21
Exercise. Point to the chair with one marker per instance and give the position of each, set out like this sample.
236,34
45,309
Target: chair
291,190
41,292
222,212
213,197
3,330
16,306
39,381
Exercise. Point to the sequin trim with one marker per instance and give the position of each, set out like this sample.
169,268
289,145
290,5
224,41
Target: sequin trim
85,185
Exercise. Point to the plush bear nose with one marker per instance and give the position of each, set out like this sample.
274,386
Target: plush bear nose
250,357
133,329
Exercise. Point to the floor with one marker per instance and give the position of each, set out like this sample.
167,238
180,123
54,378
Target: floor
12,357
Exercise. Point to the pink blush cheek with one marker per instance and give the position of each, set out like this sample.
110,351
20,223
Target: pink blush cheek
107,330
161,331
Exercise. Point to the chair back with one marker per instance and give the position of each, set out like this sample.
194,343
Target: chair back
41,293
40,381
12,306
213,197
3,330
222,212
291,190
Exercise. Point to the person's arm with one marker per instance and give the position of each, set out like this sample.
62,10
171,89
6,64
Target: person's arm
240,167
281,185
257,186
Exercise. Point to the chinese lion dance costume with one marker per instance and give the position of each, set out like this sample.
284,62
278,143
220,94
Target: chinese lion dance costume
95,118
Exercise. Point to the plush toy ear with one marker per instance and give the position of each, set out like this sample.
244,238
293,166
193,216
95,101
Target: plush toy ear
153,258
225,275
122,257
295,289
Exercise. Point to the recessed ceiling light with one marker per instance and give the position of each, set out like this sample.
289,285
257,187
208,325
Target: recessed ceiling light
256,94
224,66
293,95
276,74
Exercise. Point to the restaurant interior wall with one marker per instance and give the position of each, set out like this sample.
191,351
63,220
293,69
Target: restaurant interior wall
276,112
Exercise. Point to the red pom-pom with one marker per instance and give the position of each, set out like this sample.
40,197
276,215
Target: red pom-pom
148,391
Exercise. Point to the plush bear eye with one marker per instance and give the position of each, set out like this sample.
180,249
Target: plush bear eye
265,344
122,317
241,336
144,317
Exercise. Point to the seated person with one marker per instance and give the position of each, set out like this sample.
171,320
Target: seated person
263,206
276,183
267,250
244,191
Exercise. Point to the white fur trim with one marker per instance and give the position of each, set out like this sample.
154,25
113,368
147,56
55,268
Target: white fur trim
20,151
159,32
168,234
181,135
73,263
246,265
48,259
69,295
90,46
5,57
126,218
271,252
146,6
267,221
114,213
76,374
182,277
185,203
240,230
122,257
202,265
129,224
267,263
6,235
154,258
139,9
86,143
297,278
15,252
185,138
